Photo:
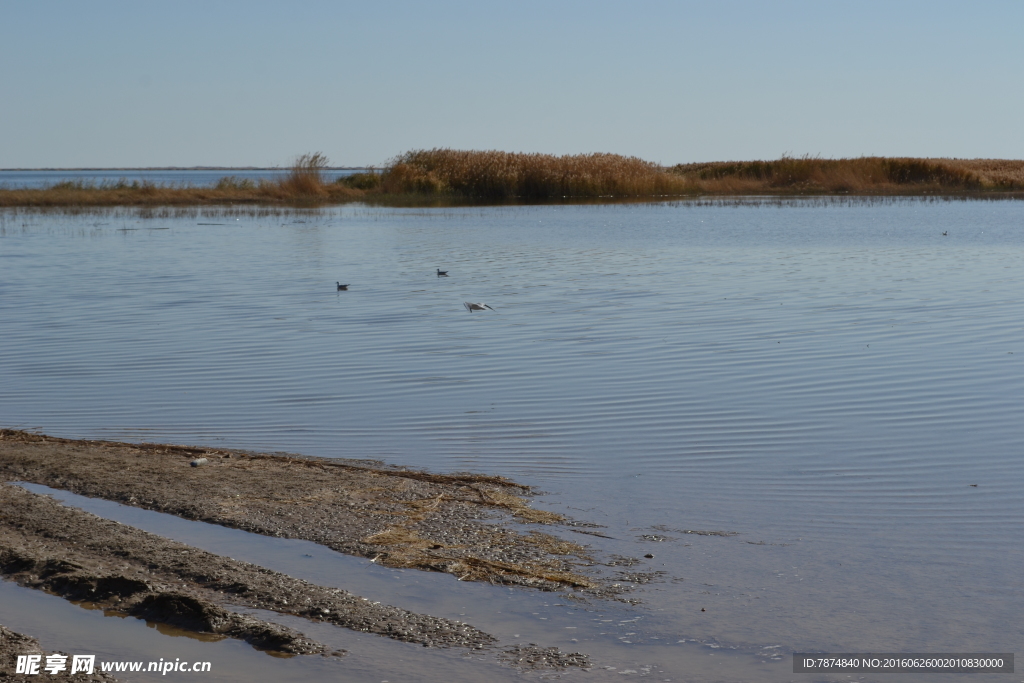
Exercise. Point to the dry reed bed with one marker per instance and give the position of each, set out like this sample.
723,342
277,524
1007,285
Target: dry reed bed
503,175
303,185
426,176
506,175
997,173
144,194
863,175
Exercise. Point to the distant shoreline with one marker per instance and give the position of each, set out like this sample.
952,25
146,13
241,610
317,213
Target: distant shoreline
177,168
450,177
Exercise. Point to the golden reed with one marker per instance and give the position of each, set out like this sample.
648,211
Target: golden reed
504,175
425,175
303,185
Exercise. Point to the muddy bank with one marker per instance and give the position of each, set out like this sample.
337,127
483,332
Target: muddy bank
75,554
397,517
13,644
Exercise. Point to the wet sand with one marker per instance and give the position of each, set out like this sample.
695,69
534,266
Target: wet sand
451,523
83,557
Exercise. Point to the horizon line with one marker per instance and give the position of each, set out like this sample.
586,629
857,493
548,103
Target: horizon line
181,168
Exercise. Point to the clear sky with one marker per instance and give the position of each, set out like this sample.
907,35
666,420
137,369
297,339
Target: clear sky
230,83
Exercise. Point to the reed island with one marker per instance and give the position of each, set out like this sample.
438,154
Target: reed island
435,176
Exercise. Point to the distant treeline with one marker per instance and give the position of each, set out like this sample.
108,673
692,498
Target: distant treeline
424,176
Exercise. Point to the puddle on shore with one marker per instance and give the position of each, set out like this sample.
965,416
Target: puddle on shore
166,629
61,625
613,634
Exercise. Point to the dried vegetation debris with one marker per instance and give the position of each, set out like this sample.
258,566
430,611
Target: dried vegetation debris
533,656
698,532
622,561
655,538
397,517
640,578
75,554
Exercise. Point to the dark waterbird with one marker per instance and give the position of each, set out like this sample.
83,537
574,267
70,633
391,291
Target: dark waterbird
442,273
341,287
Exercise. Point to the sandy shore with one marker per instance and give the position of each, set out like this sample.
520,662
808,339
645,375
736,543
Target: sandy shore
399,518
457,523
81,556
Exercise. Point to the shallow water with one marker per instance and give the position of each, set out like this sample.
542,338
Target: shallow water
826,379
607,630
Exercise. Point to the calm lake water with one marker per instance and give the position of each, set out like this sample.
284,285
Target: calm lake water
829,380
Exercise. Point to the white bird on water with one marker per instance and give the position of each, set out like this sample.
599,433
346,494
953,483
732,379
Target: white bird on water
476,307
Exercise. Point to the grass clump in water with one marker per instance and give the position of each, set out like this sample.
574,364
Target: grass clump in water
306,178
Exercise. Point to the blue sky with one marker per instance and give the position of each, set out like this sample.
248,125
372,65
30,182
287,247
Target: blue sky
218,83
